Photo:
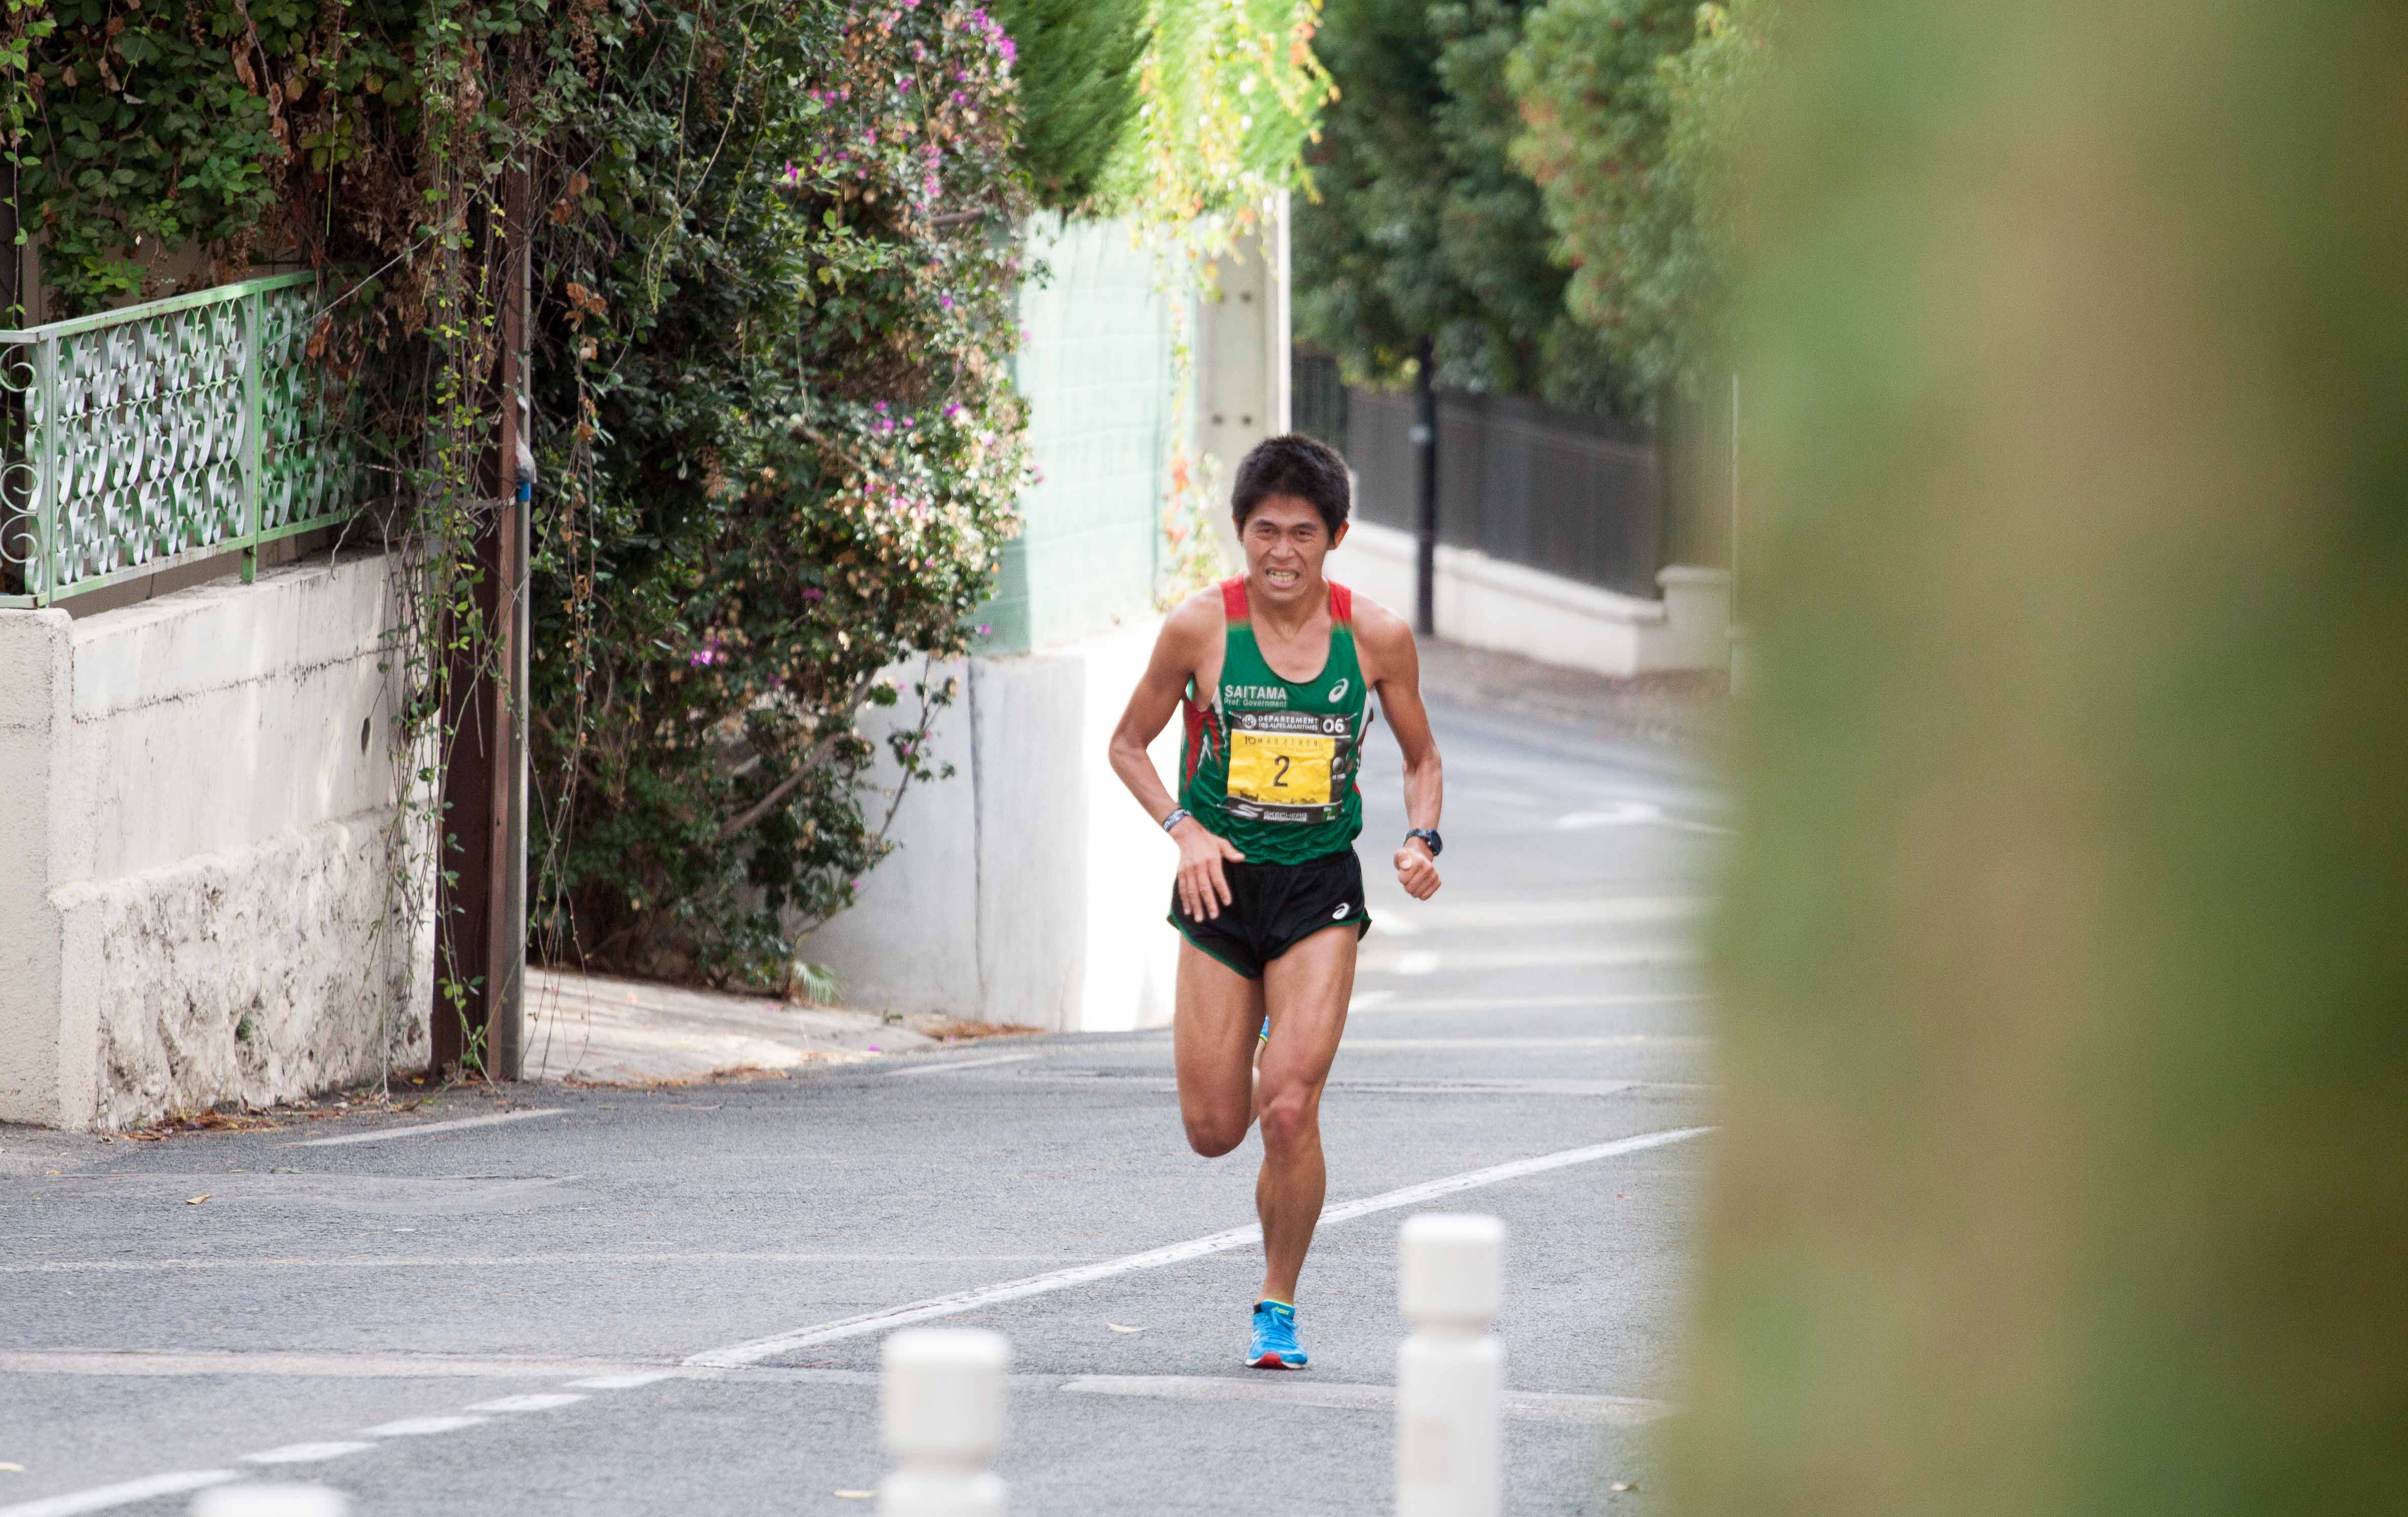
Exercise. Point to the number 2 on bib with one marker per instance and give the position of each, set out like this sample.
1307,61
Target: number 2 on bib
1281,768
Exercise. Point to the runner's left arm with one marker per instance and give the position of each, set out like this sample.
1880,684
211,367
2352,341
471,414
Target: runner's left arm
1394,670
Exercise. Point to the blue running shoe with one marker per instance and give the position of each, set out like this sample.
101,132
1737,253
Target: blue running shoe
1275,1346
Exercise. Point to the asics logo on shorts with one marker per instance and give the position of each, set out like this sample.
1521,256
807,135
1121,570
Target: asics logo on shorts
1339,912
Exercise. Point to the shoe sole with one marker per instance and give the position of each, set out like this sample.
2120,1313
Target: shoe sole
1273,1361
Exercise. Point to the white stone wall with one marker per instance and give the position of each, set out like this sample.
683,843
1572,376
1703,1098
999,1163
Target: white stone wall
200,804
1028,888
1486,602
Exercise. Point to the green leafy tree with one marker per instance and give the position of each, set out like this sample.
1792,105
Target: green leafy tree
1420,227
1626,105
1077,64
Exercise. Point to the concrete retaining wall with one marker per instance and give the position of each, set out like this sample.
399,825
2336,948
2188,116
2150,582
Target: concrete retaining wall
1488,603
1028,888
196,805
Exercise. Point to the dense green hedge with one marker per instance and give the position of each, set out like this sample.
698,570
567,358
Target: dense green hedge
801,455
775,245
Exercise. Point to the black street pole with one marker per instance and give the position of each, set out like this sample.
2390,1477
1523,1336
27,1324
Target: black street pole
1425,505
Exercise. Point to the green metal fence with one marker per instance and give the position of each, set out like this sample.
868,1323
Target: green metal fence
158,434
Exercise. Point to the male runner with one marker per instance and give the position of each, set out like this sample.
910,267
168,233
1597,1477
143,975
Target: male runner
1274,668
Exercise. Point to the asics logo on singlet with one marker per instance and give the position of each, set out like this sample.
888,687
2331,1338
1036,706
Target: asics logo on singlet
1338,691
1267,695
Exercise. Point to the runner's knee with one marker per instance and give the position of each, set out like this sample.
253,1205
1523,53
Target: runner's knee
1289,1116
1212,1136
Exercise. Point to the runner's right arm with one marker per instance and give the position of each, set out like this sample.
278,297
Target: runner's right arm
1203,888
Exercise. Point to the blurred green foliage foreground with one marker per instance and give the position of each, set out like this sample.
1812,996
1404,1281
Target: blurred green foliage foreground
2064,975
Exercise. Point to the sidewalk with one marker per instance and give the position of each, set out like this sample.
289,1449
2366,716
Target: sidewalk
599,1030
1690,711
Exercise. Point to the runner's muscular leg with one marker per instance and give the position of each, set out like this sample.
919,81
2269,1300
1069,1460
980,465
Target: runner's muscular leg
1306,989
1218,1013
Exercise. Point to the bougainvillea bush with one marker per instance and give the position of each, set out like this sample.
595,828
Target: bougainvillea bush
791,452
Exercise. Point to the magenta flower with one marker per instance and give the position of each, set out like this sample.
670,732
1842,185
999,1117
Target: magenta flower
945,303
814,593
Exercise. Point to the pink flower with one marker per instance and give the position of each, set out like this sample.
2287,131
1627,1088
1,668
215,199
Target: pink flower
814,593
946,302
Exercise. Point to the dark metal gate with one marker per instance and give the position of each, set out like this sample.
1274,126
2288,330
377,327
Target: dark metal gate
1571,494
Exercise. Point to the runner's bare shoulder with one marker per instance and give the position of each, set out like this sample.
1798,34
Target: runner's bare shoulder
1195,622
1383,640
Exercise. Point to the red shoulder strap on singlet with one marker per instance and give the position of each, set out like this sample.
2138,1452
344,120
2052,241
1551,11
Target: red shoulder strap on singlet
1341,604
1233,599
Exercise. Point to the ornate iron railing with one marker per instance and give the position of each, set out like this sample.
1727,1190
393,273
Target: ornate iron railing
180,429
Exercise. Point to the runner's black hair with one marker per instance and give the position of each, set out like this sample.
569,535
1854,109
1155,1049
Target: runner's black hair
1295,464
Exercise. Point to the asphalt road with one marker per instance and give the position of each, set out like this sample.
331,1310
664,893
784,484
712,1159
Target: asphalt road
671,1301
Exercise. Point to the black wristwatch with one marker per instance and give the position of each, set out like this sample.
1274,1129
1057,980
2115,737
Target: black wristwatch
1429,836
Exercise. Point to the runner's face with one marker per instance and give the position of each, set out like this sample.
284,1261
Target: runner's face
1285,544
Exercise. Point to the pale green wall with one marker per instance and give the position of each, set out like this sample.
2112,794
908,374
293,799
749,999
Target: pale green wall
1096,365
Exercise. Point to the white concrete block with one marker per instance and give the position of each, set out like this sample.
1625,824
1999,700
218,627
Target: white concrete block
36,678
1028,888
224,899
1509,608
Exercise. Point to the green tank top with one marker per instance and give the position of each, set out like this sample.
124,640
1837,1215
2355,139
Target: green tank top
1270,763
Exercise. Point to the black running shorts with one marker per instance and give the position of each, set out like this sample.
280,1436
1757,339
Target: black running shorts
1274,907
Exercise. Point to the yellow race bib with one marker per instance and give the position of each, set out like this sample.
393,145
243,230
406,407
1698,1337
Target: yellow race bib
1281,768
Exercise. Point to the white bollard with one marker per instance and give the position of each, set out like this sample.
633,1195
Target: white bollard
270,1501
940,1410
1450,1372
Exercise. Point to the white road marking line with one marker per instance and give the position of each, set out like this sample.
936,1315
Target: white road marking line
1483,1087
421,1426
622,1382
1643,956
1407,1085
102,1497
955,1067
1387,1002
540,1401
1366,1000
1560,912
1392,1045
329,1366
1527,1405
304,1453
417,1261
1392,924
386,1134
1633,814
753,1352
